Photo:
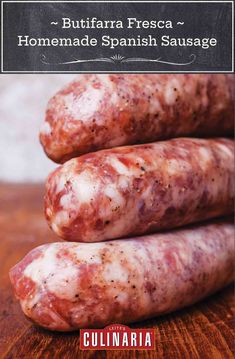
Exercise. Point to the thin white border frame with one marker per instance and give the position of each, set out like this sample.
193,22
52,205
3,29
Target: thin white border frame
116,1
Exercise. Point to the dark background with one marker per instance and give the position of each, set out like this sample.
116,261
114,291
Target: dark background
201,20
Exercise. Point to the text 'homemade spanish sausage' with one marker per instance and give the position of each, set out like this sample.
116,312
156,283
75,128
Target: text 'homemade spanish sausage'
66,286
136,190
102,111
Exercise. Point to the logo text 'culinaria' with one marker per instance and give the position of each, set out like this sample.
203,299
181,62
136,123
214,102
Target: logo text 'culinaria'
117,336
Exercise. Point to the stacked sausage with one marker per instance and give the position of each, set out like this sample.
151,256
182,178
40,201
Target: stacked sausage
133,197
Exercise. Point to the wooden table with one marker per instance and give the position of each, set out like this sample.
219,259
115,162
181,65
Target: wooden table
202,331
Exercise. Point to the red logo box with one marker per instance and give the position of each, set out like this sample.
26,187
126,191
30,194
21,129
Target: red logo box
117,336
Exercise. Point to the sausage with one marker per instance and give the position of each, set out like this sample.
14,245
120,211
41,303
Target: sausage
139,189
66,286
102,111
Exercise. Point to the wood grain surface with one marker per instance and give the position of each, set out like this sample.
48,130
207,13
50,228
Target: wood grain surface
202,331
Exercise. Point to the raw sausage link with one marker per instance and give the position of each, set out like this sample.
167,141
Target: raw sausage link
66,286
103,111
136,190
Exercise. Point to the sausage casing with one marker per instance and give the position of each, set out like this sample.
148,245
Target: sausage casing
103,111
136,190
65,286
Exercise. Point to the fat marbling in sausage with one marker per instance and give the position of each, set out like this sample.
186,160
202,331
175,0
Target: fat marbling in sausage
103,111
139,189
66,286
